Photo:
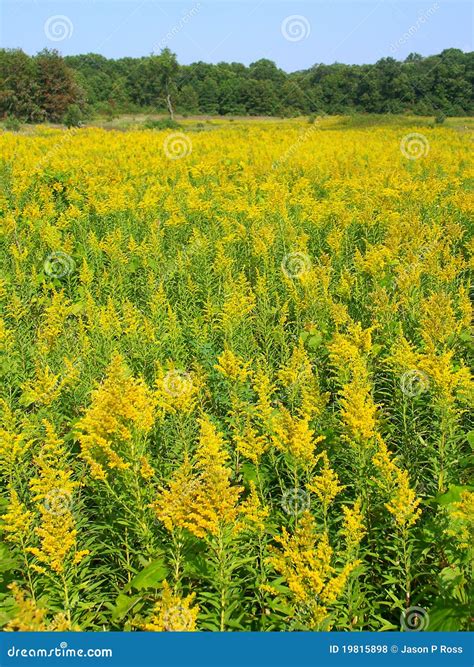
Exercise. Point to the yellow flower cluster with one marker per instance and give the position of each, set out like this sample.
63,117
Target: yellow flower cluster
122,408
172,613
305,562
403,504
461,518
353,528
232,367
294,436
52,491
200,497
325,485
29,617
17,520
349,354
176,391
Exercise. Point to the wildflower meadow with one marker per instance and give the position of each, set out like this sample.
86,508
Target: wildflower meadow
235,377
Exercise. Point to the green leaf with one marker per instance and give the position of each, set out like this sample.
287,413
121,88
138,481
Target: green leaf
249,472
8,561
314,342
152,575
453,495
123,604
470,438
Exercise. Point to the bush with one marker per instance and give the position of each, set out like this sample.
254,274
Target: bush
12,124
73,116
162,124
440,118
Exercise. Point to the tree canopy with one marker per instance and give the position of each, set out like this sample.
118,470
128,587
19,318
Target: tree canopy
43,87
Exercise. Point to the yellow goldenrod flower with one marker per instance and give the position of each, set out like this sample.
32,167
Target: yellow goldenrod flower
353,529
232,367
29,617
252,512
293,436
298,370
172,613
16,523
403,503
122,408
461,519
305,562
251,445
146,470
263,387
176,390
201,498
53,491
325,485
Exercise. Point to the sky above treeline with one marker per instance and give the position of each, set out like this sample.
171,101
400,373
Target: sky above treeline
294,34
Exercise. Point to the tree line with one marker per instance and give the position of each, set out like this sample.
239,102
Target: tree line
48,86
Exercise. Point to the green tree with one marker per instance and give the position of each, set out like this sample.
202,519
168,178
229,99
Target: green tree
18,86
165,67
57,87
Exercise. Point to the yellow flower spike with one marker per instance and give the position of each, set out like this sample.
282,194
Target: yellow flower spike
232,367
13,448
252,513
264,388
176,390
121,407
251,445
403,504
16,522
52,492
146,470
172,613
304,560
353,529
325,485
293,436
29,617
200,496
461,520
298,370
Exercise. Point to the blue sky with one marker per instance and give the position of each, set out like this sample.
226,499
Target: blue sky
294,34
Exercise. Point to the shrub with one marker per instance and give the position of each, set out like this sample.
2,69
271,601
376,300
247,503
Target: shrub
73,116
12,124
161,124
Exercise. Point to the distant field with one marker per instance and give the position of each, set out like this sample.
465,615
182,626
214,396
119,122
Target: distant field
130,121
235,368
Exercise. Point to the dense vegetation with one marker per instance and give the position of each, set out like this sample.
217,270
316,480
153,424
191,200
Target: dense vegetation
45,86
235,373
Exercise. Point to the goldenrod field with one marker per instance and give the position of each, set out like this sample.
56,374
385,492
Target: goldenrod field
235,363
